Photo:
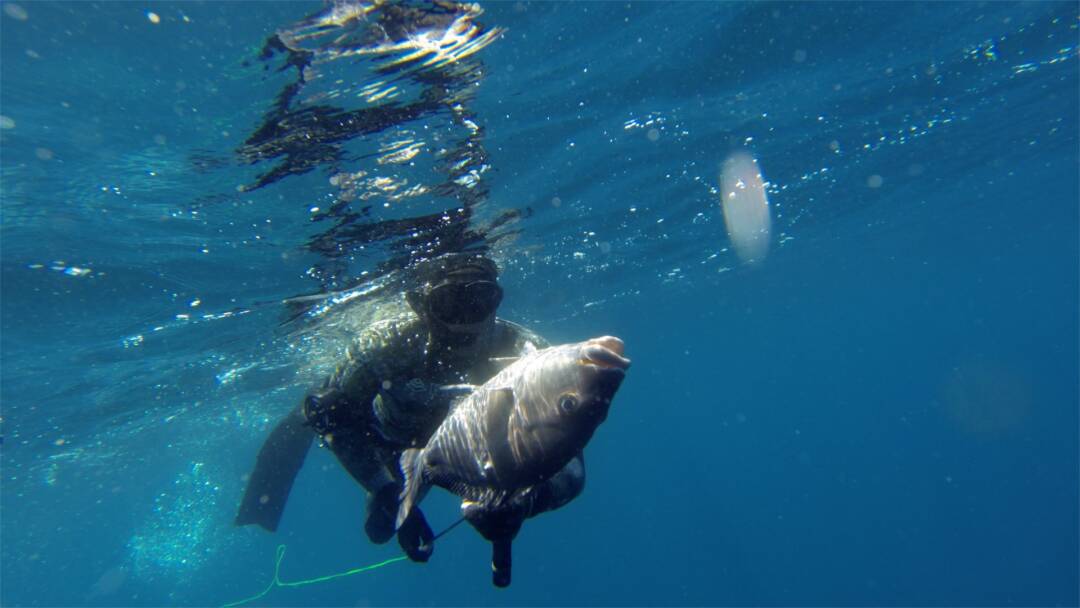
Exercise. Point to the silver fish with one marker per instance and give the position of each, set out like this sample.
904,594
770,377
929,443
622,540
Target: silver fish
519,428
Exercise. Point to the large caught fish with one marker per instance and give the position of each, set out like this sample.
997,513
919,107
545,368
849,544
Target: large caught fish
516,431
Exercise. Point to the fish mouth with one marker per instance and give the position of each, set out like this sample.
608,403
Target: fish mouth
605,352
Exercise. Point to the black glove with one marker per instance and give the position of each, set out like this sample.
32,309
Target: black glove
415,537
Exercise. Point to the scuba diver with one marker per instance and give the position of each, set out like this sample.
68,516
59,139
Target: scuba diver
392,391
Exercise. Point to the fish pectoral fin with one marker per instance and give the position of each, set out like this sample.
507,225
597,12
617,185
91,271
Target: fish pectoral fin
500,405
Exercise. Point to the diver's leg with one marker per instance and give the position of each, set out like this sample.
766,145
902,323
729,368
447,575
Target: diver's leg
276,468
360,457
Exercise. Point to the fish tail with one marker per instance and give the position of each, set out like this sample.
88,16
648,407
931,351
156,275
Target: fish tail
412,467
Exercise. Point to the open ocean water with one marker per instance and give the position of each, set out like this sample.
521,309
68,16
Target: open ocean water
879,409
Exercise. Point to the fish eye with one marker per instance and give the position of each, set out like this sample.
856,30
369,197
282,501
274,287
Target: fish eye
568,403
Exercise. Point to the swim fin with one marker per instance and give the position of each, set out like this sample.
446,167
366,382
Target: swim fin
279,461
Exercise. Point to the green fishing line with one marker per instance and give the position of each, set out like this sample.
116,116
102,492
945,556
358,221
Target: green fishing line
277,582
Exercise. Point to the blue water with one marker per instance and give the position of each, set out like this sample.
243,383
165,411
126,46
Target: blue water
883,411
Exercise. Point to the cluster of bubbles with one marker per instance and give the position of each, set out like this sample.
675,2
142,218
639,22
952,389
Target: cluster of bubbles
184,529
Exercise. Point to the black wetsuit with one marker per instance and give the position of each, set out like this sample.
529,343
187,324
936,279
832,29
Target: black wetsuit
389,393
386,396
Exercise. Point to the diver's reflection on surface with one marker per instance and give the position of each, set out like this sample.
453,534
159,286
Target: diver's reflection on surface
380,100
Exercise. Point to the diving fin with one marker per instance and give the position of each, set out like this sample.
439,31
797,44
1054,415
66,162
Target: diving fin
279,461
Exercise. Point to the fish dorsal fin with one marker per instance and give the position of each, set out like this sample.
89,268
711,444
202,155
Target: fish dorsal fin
499,407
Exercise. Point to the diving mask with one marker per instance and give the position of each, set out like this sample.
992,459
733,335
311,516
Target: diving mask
464,303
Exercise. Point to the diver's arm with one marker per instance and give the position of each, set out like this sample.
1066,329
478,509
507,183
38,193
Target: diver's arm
501,524
343,402
340,413
341,408
560,489
499,527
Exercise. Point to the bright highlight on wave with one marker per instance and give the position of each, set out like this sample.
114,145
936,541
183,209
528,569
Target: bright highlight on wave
342,30
746,207
439,47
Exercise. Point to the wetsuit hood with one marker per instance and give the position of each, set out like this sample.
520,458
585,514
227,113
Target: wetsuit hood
457,295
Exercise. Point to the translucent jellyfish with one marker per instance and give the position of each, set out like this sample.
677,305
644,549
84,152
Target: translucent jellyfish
746,207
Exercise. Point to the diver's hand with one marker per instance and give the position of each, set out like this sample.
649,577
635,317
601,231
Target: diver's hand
500,562
415,537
